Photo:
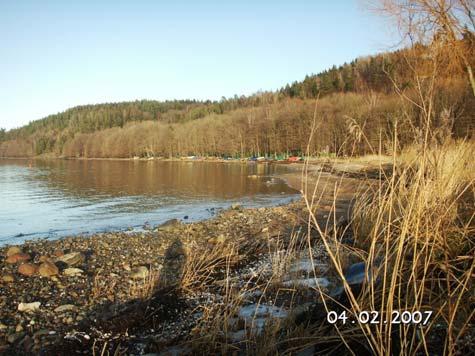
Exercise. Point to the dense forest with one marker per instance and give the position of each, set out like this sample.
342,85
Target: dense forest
356,100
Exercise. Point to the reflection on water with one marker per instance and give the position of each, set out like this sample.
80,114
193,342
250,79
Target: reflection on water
59,197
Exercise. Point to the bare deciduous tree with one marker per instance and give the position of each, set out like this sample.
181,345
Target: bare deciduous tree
447,25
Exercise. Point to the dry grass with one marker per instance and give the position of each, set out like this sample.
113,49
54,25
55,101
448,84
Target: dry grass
417,233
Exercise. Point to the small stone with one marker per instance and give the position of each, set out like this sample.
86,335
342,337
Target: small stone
140,272
8,278
29,307
236,206
18,257
13,251
19,328
3,326
65,308
72,259
28,269
48,269
71,271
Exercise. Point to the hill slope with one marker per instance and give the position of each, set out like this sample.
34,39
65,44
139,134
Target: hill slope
358,94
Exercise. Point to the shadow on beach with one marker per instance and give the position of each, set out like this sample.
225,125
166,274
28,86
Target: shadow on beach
123,321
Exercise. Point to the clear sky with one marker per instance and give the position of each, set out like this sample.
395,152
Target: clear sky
59,54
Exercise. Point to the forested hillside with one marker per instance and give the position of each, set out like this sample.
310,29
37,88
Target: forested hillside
358,100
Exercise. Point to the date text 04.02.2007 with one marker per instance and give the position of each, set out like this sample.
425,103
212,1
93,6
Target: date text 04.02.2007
374,317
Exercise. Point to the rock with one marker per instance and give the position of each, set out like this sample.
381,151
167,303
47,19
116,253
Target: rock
169,225
321,282
40,333
147,226
236,206
29,307
72,259
48,269
3,327
19,328
140,272
18,257
255,310
13,251
28,269
12,338
65,308
355,276
8,278
58,253
71,271
45,259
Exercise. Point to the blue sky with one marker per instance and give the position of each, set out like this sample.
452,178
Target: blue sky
59,54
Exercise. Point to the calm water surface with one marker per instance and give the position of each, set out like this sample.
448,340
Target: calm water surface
50,199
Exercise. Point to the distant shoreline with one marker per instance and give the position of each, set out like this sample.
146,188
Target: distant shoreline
364,167
160,159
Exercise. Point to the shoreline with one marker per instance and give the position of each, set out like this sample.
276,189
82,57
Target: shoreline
292,179
364,167
77,279
77,291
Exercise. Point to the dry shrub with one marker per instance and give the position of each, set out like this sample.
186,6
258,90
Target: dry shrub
206,264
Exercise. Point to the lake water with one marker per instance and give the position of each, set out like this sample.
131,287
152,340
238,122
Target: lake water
55,198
